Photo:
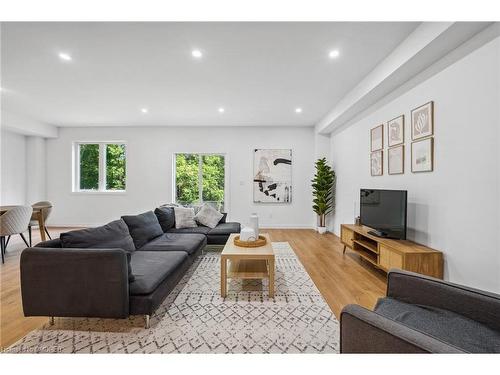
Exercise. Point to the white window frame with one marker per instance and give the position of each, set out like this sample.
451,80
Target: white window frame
102,168
200,176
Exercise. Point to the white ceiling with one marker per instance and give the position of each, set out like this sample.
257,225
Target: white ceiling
259,72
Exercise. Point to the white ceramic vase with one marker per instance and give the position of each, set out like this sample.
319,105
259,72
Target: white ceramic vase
254,224
321,230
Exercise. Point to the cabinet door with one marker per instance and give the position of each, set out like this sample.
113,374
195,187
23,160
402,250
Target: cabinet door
390,258
346,235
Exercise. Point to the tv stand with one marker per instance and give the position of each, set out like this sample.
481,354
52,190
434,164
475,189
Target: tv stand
385,253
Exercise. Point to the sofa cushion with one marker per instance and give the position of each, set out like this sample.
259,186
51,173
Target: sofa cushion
225,228
187,242
199,230
114,235
224,217
166,217
143,228
184,217
152,268
208,216
444,325
110,236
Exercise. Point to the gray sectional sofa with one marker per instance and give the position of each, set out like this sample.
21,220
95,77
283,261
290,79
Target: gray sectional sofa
421,314
126,267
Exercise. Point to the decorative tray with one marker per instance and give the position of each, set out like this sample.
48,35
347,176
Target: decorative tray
260,242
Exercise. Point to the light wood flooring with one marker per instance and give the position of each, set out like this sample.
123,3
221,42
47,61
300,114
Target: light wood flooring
341,279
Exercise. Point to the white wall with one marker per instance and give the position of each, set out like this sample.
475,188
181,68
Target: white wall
149,171
13,168
455,208
35,169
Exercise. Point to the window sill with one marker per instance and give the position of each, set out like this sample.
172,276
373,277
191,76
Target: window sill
108,192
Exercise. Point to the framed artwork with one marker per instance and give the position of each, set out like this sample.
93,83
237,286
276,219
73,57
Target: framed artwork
377,163
422,121
422,155
377,138
272,176
396,160
396,131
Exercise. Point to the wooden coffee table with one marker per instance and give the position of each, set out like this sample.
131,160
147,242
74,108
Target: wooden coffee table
247,263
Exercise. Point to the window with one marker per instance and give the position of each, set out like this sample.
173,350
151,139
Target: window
100,167
200,178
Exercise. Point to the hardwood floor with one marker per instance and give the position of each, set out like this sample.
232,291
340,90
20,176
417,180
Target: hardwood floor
341,279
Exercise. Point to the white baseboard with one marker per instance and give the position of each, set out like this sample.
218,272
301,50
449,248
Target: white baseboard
285,226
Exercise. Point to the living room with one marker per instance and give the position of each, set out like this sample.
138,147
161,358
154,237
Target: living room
209,187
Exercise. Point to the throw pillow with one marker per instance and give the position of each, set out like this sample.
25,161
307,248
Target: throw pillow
208,216
114,235
184,218
143,228
166,217
110,236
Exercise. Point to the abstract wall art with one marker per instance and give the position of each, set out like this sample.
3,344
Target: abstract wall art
377,138
422,155
272,177
396,160
396,131
422,121
377,163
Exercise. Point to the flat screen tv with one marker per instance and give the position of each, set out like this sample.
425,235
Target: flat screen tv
385,212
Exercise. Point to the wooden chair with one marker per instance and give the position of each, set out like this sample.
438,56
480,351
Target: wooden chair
46,207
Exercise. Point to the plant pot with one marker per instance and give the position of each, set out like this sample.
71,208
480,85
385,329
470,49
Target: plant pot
321,230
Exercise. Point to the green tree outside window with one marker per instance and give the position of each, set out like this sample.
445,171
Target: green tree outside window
200,178
114,162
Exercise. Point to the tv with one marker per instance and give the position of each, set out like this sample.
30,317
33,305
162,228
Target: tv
384,211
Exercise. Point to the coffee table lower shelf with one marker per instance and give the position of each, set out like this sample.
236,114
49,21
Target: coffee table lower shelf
248,269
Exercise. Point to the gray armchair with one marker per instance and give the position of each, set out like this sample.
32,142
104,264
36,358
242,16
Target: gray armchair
421,314
14,221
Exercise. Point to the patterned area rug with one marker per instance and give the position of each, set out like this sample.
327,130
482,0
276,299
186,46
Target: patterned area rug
195,319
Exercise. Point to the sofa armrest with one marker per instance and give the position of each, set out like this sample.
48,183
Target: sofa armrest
364,331
75,282
417,289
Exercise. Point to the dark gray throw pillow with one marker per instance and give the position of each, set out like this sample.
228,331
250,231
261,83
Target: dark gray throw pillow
143,228
224,217
166,217
114,235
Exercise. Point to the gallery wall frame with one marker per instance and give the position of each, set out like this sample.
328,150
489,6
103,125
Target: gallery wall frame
422,121
422,155
396,131
377,163
396,160
377,138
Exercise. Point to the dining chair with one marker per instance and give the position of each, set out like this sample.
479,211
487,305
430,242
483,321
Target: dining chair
14,221
47,209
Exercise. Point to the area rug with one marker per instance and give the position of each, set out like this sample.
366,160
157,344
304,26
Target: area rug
195,319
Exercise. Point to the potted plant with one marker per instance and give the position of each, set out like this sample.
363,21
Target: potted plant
323,192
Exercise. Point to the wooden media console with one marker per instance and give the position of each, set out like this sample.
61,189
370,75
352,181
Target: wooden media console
386,253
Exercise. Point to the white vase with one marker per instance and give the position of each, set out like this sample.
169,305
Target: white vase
254,224
321,230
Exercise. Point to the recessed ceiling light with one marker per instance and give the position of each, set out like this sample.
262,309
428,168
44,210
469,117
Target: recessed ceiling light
221,110
196,53
298,110
65,56
144,110
334,54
